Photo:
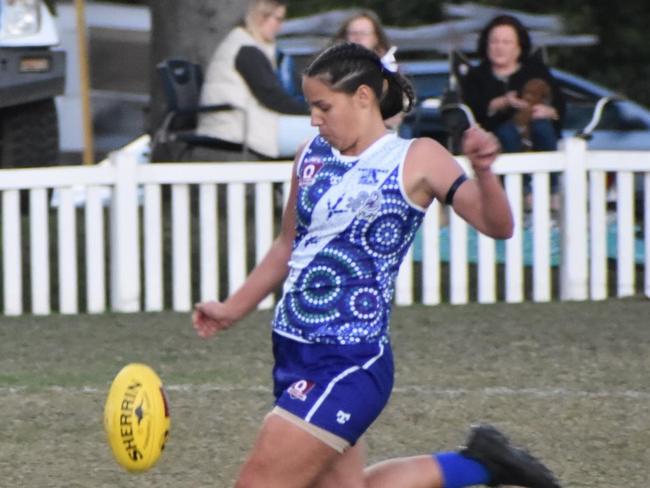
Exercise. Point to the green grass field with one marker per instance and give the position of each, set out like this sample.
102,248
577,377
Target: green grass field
570,380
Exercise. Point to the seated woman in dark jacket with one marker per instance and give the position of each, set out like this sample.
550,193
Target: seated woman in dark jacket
494,90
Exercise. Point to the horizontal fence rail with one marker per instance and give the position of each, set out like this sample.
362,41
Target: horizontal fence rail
127,236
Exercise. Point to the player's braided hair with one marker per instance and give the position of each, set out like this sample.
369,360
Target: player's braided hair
346,66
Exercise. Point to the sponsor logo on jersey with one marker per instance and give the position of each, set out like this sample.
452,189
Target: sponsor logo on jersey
370,176
300,389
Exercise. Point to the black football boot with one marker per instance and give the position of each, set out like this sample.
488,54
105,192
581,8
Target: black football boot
506,464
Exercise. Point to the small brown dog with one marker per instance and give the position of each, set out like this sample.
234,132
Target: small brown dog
535,91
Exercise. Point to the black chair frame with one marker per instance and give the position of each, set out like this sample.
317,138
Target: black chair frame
182,81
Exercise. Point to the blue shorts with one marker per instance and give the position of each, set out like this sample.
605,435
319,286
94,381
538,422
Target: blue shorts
341,389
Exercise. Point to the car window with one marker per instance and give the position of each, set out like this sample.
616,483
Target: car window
429,85
290,69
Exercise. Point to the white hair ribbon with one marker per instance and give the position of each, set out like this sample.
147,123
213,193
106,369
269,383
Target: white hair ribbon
388,60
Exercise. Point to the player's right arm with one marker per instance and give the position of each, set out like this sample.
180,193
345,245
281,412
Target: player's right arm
431,172
211,317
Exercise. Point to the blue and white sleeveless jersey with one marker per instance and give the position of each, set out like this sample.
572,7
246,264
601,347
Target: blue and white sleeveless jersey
354,225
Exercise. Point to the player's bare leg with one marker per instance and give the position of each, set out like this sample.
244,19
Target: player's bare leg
413,472
285,456
347,471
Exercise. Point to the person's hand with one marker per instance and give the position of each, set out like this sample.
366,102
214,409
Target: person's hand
541,111
211,317
514,101
481,148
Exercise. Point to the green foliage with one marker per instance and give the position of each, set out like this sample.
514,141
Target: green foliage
621,60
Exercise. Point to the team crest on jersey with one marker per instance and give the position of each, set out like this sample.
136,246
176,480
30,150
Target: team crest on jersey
300,389
311,165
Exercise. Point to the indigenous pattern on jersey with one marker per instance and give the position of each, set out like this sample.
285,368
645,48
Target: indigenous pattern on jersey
353,227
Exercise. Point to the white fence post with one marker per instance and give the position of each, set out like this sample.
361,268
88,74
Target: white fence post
646,232
458,268
573,271
153,245
67,252
625,275
181,249
514,246
236,197
597,235
264,206
95,251
209,241
125,251
12,253
39,251
431,255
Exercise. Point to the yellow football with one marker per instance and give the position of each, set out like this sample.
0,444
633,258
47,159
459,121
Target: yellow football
136,417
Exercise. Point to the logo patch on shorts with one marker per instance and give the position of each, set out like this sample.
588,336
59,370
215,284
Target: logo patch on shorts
300,389
342,417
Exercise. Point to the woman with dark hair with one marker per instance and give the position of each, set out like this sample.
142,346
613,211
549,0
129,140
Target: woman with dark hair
496,90
358,195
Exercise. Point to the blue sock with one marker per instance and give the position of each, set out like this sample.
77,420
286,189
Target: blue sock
459,471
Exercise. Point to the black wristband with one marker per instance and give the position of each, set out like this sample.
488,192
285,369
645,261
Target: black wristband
454,186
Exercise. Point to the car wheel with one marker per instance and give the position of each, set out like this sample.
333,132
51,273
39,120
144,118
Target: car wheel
29,135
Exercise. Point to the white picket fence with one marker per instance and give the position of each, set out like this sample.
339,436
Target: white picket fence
122,206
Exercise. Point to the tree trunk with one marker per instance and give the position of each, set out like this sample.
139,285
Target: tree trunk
188,29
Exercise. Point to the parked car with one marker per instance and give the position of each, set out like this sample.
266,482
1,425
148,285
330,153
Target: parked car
32,75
